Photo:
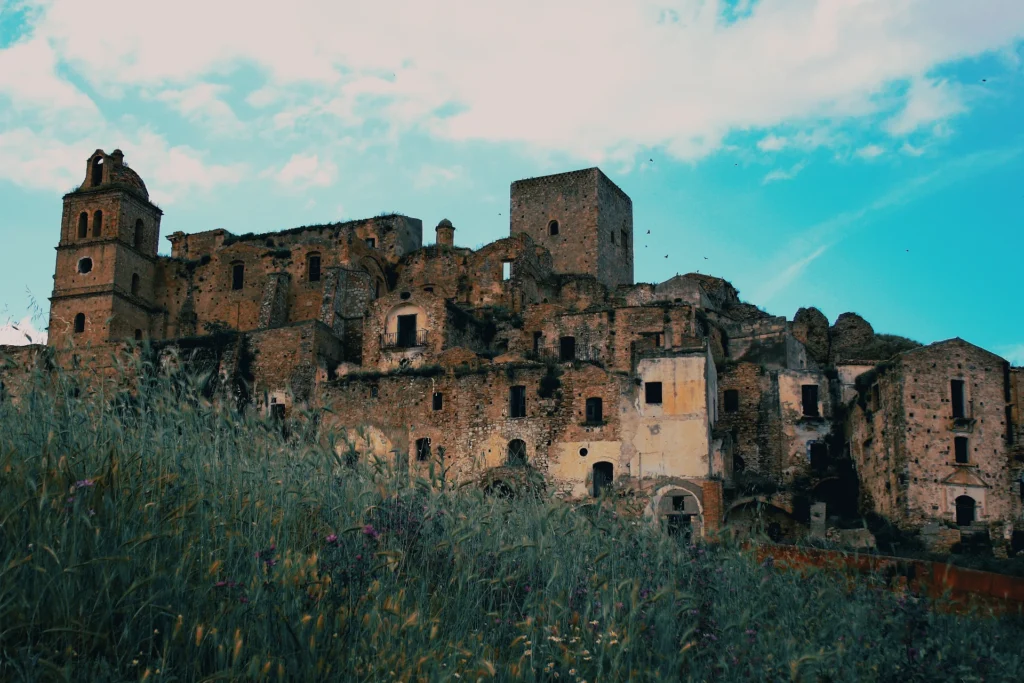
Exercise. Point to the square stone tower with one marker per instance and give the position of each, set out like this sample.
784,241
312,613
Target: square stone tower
582,218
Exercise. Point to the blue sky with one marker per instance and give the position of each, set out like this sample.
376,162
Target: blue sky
854,155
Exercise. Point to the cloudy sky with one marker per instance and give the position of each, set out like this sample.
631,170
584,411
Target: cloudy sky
854,155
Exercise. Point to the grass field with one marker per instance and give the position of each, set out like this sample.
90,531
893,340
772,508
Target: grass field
163,539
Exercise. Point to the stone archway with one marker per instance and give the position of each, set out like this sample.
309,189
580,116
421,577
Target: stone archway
678,508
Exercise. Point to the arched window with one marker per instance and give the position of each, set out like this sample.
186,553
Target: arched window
80,323
97,171
964,511
313,267
422,450
603,474
136,281
83,225
553,228
594,411
139,230
97,224
516,453
237,275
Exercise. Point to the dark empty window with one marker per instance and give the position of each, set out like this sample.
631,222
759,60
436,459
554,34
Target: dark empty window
809,397
438,400
371,242
313,267
956,388
553,228
612,235
732,400
139,233
567,349
537,336
85,265
407,331
97,171
818,453
652,393
516,453
277,410
138,335
517,401
422,450
97,224
80,323
83,225
136,284
594,411
603,473
237,276
374,391
960,449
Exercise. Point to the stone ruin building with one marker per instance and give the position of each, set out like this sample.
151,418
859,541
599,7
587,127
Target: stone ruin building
539,352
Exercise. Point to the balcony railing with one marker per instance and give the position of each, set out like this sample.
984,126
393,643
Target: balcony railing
581,352
394,340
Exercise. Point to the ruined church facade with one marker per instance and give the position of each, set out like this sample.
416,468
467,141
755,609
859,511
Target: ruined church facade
539,351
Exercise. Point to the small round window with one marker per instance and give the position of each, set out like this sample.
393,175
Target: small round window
405,295
553,228
85,265
583,452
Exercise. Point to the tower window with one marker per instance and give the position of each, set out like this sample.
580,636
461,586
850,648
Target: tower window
237,276
732,400
553,228
652,393
956,390
97,171
809,398
85,265
438,400
80,323
960,450
422,450
625,238
594,411
136,284
517,401
612,235
83,225
313,267
139,230
97,224
506,270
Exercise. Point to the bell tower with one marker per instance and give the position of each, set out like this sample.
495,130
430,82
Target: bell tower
106,258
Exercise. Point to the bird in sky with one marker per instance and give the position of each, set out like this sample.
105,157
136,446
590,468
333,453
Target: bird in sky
705,258
666,255
648,232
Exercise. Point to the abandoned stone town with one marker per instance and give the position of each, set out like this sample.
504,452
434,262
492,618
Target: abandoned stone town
539,353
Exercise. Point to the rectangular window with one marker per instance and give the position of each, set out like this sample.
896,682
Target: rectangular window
506,270
238,276
612,235
537,336
956,390
314,269
422,450
876,397
406,331
438,400
625,239
567,349
652,393
595,414
960,450
818,453
277,411
732,400
809,397
371,242
517,402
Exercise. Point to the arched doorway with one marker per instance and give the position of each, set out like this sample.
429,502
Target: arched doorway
965,510
603,474
516,453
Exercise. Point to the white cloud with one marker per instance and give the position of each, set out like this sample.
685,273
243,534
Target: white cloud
910,150
927,102
870,152
305,170
597,79
772,143
202,103
21,333
429,176
784,174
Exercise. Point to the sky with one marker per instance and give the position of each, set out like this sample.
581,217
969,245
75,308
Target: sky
853,155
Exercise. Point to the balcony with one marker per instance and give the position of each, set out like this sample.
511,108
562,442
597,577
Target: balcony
403,340
567,355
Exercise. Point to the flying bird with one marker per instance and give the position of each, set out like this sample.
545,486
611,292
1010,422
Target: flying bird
705,258
666,255
648,232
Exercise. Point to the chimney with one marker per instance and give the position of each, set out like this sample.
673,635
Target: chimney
445,233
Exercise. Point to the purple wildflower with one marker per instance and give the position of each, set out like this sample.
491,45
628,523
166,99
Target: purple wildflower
368,530
333,538
84,483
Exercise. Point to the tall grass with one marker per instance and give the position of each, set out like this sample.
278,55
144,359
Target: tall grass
163,538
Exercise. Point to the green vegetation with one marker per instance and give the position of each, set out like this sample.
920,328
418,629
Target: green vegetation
166,538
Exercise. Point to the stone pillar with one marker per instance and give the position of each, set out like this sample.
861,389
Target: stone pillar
713,511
